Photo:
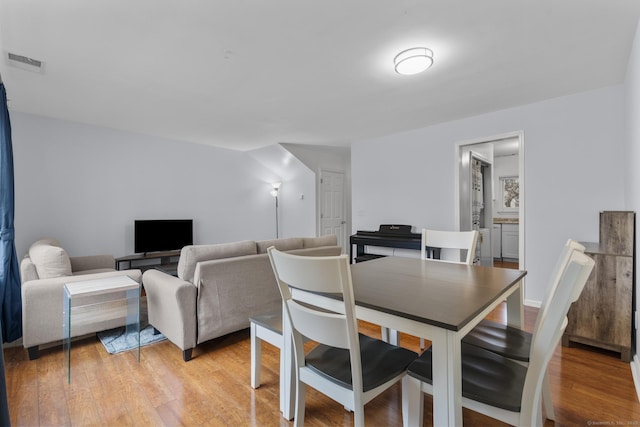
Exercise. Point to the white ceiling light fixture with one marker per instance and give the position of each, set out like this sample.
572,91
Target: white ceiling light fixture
413,61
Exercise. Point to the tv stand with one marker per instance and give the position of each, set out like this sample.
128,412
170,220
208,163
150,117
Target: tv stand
164,261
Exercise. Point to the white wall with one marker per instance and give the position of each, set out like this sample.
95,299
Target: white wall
632,170
296,215
85,185
573,151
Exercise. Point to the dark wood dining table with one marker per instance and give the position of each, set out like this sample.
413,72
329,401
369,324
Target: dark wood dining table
439,301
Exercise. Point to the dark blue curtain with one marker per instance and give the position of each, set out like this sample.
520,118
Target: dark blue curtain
10,301
10,298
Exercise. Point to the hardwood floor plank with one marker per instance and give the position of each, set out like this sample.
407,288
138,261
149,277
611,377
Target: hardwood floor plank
52,397
83,409
214,387
174,413
22,388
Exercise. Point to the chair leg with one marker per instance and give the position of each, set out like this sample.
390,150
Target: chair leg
394,337
300,398
390,335
283,376
358,416
547,402
384,332
186,354
256,356
412,402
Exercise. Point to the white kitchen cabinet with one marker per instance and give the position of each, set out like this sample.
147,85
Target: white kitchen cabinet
510,241
496,241
484,242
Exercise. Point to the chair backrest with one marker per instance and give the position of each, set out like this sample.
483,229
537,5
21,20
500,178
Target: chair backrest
570,285
565,255
452,244
330,321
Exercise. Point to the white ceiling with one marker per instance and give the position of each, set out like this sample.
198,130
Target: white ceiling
244,74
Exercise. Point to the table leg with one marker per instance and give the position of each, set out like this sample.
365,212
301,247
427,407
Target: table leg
515,308
447,379
133,317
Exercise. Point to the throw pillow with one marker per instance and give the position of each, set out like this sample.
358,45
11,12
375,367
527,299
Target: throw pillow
50,260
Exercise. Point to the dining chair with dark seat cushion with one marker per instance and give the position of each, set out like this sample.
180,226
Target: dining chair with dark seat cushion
495,385
515,343
348,367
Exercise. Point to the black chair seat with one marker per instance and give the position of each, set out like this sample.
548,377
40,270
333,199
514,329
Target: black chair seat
271,320
504,340
380,362
486,377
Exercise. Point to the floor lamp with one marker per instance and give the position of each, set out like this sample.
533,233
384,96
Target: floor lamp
274,193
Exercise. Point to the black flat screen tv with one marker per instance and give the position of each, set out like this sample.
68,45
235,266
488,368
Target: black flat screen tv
156,235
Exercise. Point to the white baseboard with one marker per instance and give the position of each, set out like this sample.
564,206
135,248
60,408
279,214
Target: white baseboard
635,373
532,303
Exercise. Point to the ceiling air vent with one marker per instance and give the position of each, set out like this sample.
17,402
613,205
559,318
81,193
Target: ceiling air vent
25,63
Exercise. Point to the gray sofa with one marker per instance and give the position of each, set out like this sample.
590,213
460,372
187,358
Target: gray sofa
44,270
219,287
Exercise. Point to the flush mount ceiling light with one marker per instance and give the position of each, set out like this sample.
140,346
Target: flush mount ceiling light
413,61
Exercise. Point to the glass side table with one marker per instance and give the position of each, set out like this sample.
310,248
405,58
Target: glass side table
93,301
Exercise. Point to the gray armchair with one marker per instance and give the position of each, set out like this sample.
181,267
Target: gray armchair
44,270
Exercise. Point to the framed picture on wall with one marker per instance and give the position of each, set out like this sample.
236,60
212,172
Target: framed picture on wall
509,194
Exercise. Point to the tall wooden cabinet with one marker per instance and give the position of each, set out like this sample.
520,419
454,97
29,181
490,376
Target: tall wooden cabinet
603,315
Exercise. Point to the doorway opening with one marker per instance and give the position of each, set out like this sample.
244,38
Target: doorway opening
499,213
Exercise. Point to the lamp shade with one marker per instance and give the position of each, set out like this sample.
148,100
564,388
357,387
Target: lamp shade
275,186
413,61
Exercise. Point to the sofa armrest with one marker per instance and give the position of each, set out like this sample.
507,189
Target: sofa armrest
92,262
171,305
42,305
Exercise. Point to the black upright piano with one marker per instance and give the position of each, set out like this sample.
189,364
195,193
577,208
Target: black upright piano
388,235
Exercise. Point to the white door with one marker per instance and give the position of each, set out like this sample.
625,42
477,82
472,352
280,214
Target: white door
332,207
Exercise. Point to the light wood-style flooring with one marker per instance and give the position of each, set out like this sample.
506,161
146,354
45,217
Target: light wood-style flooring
589,388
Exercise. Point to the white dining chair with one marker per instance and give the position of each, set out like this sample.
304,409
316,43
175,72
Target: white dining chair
445,246
349,367
494,385
514,343
454,246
